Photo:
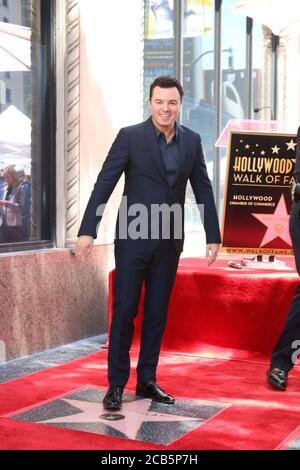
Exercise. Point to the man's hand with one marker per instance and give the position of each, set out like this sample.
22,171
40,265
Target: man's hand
84,246
295,190
212,252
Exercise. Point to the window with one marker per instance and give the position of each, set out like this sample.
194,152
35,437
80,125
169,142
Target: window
5,3
159,53
233,55
161,57
198,111
27,130
228,61
234,76
5,20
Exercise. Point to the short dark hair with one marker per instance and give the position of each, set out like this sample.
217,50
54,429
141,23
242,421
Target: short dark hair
166,82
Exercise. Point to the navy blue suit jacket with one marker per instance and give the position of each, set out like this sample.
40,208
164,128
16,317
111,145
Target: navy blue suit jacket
136,152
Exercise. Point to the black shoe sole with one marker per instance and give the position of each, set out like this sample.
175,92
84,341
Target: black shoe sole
112,407
276,385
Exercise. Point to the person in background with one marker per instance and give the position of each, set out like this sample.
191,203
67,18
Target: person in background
10,208
158,157
287,348
3,185
25,198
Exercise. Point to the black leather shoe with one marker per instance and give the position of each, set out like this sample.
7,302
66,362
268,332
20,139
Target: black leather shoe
113,399
277,378
150,389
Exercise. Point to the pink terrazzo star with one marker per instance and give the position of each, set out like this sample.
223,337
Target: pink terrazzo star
277,224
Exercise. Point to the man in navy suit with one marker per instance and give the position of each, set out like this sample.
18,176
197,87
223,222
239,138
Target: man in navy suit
158,157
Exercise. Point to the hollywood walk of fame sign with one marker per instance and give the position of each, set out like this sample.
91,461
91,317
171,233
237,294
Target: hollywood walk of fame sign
257,198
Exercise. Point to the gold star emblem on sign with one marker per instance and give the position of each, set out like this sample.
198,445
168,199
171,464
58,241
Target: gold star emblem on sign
291,145
275,149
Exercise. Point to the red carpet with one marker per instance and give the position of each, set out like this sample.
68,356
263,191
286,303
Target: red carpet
258,418
222,327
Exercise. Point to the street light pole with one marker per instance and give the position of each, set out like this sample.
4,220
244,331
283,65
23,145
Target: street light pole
178,39
217,99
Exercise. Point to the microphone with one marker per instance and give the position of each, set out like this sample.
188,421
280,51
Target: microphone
256,110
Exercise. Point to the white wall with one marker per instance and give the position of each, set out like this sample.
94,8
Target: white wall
111,87
288,93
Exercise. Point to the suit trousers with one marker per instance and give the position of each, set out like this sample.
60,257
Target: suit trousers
156,271
285,350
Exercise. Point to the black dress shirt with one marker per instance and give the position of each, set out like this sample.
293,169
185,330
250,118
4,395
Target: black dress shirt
169,153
